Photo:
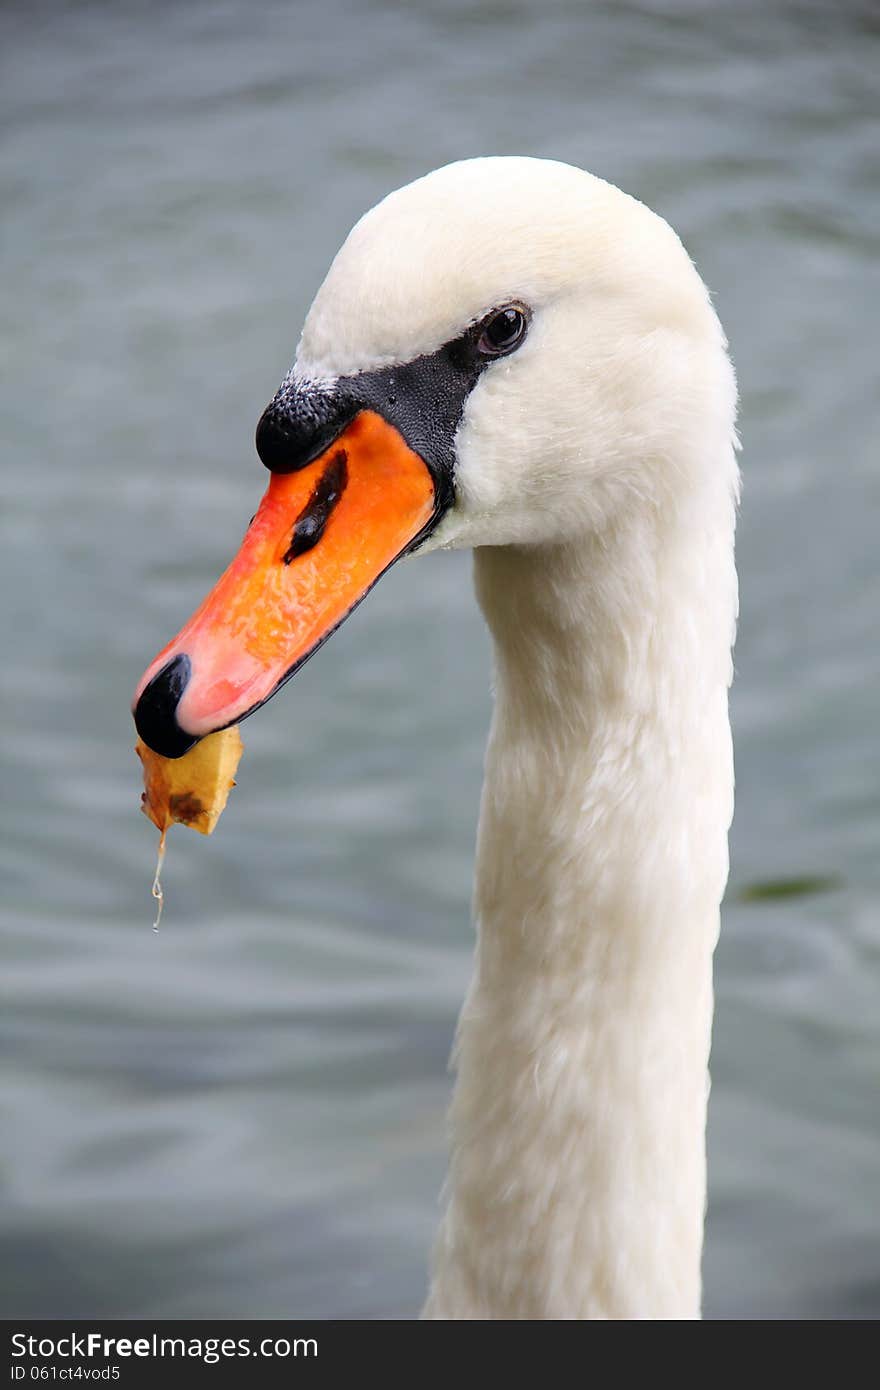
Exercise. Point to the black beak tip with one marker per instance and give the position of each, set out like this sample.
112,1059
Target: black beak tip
155,714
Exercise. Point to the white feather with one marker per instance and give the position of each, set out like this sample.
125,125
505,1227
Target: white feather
596,478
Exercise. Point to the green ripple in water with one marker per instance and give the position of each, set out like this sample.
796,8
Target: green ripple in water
772,889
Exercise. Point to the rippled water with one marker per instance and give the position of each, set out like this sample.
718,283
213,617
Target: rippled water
244,1115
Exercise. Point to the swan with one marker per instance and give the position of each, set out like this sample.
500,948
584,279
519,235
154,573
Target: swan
513,355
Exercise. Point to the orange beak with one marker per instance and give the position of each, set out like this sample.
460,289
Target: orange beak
320,540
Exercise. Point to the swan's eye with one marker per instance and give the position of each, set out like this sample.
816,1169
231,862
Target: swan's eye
503,330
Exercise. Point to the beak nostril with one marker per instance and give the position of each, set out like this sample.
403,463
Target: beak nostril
155,715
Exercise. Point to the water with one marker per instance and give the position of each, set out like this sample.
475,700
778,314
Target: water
244,1115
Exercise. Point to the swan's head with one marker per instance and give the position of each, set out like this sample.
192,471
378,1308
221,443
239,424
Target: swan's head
505,352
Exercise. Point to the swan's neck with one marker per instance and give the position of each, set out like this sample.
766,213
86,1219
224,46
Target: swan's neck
577,1181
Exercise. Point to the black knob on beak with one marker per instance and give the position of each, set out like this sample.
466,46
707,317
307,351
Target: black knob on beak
155,715
299,424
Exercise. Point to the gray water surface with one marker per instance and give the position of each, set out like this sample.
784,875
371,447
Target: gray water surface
244,1115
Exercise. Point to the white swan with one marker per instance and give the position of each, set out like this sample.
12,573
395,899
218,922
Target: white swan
537,357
